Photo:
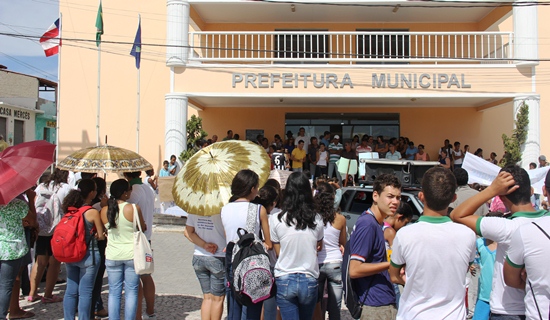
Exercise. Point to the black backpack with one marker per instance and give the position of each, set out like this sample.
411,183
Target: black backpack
351,299
253,280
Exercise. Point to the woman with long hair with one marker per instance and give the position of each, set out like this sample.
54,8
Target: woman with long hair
56,184
81,275
330,256
244,189
118,217
297,235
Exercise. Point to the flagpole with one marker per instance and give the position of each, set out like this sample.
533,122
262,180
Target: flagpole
57,102
99,32
98,92
138,107
138,94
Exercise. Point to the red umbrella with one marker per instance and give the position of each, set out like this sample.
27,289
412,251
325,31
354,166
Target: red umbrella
21,166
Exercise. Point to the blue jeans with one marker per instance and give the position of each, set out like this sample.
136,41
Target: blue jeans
331,273
333,168
493,316
235,311
119,272
296,295
80,284
8,272
270,308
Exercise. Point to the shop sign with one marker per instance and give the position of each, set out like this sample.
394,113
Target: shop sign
51,124
332,80
25,115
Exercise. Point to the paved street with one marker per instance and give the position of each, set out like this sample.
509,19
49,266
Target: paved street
178,291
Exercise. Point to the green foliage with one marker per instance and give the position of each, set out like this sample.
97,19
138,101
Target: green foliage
513,144
194,134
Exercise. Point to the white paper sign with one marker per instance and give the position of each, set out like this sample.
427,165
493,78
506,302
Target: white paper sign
484,172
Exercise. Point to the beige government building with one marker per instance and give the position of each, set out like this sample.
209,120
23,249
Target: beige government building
425,70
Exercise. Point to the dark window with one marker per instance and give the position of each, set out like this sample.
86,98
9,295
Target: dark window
4,127
308,46
18,132
383,45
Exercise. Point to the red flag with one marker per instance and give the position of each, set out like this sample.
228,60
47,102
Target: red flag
51,41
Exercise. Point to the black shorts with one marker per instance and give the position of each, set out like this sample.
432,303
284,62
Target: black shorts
44,246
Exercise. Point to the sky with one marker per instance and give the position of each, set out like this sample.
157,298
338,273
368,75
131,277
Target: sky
28,17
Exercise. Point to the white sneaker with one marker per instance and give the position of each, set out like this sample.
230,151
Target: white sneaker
150,317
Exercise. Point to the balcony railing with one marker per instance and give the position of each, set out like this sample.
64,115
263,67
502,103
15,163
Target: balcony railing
351,47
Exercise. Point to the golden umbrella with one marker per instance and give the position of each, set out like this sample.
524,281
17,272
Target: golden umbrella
203,186
104,159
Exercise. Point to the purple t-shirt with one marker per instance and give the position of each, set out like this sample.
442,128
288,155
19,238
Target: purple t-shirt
367,244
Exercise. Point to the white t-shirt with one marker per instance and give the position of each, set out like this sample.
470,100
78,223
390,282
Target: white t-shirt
272,220
234,217
458,153
505,300
209,229
530,248
144,197
298,252
437,253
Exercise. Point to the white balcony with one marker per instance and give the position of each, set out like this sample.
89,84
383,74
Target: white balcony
362,47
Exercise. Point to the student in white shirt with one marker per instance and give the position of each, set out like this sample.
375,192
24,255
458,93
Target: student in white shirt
530,252
209,261
244,189
514,188
297,235
437,254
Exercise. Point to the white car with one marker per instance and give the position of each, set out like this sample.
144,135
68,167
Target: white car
356,200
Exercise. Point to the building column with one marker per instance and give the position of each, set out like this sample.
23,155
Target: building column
175,136
177,32
531,149
526,33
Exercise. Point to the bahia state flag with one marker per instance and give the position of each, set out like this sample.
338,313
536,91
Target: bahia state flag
51,40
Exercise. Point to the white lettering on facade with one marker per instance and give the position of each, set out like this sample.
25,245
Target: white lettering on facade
332,81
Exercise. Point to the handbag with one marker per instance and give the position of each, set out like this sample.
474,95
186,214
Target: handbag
143,255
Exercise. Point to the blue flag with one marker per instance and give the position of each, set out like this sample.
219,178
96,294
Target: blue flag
136,48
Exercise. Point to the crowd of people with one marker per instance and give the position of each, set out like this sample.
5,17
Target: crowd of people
105,217
398,270
319,155
304,236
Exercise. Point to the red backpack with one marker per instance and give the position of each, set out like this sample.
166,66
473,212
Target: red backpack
69,237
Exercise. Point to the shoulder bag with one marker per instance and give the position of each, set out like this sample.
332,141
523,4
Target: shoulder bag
143,255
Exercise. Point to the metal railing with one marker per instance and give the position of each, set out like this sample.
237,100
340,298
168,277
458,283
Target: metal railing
351,47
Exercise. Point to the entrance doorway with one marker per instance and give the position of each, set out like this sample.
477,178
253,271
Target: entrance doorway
346,125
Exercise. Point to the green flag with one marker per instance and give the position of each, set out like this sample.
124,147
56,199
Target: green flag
99,25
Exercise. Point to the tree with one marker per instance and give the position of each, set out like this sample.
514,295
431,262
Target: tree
194,133
513,144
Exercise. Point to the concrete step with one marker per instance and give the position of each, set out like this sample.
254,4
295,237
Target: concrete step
165,219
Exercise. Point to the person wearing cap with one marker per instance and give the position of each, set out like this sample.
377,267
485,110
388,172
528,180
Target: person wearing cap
289,135
542,161
335,149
